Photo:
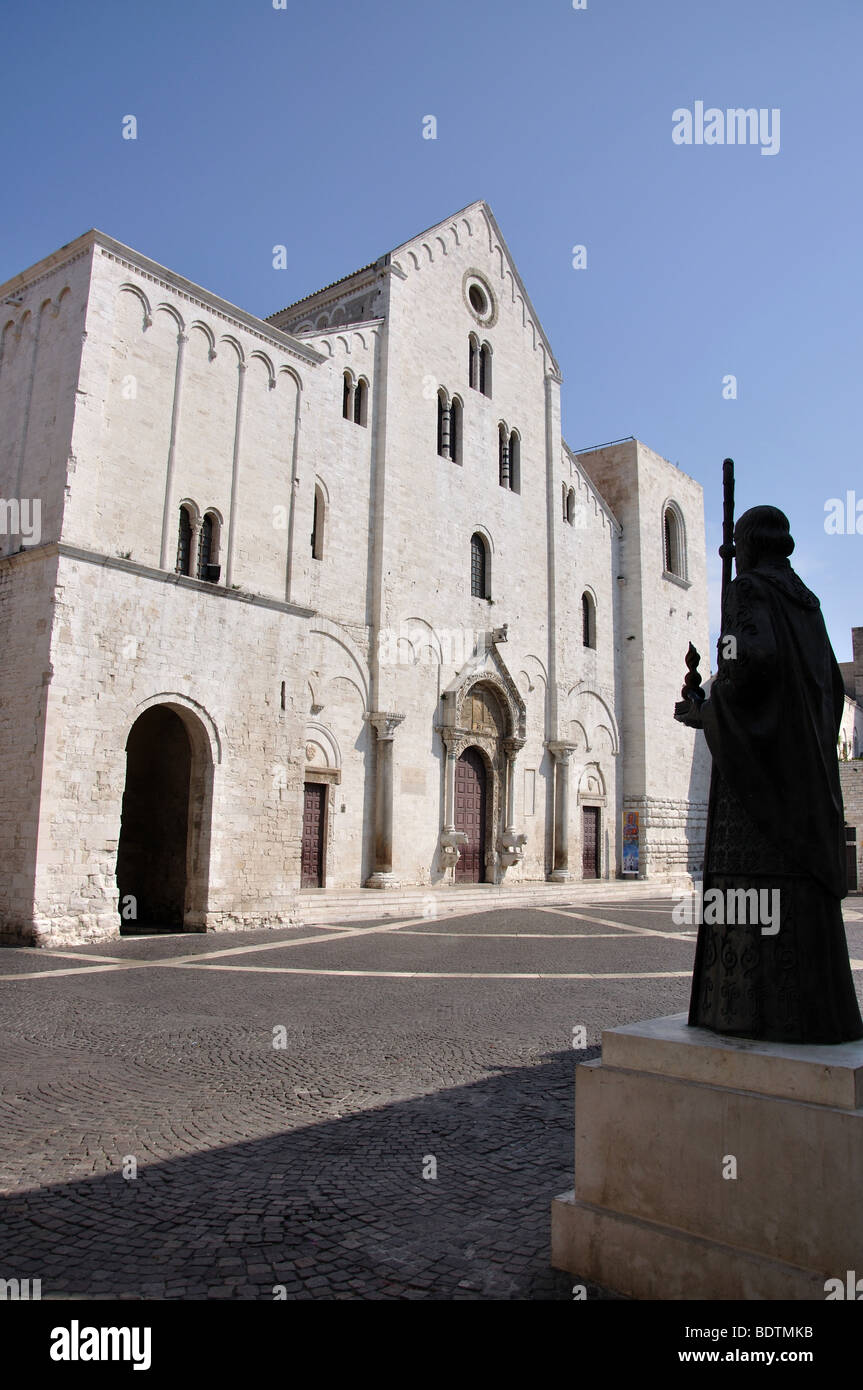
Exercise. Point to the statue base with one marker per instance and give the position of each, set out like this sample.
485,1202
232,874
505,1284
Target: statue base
714,1168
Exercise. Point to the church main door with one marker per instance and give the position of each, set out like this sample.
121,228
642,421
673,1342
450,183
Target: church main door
590,842
470,814
314,816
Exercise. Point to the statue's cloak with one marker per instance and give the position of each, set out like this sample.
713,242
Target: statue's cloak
772,720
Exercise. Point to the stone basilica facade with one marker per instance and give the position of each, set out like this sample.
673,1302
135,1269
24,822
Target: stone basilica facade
324,600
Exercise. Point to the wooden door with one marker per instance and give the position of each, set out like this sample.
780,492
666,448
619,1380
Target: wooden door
470,813
590,842
314,821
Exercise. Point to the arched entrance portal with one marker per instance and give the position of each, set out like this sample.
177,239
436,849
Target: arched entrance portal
470,815
152,855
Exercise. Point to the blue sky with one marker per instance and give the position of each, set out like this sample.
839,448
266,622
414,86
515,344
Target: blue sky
303,126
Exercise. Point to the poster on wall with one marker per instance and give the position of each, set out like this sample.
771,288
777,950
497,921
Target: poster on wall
630,842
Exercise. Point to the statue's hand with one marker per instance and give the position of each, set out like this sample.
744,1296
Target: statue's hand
688,712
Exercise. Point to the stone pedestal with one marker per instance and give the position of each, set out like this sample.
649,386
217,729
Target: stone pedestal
662,1125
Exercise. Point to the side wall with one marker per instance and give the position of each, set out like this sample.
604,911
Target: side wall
124,640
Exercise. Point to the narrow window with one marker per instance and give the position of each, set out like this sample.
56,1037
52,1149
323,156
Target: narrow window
184,544
564,500
318,526
455,431
515,462
348,396
672,543
588,621
478,567
472,358
361,397
485,370
207,547
570,506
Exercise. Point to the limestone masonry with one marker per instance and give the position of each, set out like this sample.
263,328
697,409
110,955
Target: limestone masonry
325,600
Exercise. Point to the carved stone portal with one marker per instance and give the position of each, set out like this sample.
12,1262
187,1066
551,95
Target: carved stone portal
483,709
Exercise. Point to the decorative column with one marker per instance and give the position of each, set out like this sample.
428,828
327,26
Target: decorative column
561,753
235,478
446,431
504,459
385,725
512,841
169,520
450,837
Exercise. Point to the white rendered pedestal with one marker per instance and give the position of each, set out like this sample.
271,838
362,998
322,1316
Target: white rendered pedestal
658,1123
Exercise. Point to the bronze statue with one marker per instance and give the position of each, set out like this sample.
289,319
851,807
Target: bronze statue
775,831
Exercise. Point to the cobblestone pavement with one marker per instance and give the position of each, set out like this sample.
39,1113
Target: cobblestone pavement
442,1042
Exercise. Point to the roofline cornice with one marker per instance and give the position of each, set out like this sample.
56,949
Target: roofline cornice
167,279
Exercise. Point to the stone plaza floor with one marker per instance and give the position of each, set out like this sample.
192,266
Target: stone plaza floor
422,1046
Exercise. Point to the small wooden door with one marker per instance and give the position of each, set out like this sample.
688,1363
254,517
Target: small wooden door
314,819
470,812
590,842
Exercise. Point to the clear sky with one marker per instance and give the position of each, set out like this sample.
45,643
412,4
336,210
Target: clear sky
302,126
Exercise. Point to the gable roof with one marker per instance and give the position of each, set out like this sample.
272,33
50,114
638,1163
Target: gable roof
388,262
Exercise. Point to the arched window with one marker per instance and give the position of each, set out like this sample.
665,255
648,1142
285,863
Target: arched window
348,396
570,506
563,499
588,621
361,402
184,543
672,541
485,369
318,518
455,429
472,361
208,549
479,567
515,461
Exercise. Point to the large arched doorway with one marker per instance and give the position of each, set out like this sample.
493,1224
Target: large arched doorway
152,855
470,815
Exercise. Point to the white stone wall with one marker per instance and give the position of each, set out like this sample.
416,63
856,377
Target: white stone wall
850,740
666,766
40,349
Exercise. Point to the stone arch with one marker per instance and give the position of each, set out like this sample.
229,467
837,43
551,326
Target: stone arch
325,754
163,852
165,307
356,661
138,293
594,712
591,783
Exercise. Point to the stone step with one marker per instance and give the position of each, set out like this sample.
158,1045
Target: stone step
334,905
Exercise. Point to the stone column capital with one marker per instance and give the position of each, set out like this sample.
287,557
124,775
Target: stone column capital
512,746
560,750
385,723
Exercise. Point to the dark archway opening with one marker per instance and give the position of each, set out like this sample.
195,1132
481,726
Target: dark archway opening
154,829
